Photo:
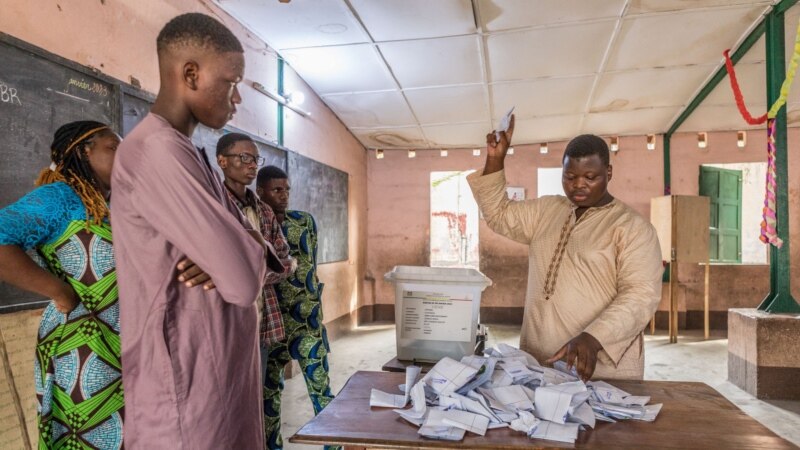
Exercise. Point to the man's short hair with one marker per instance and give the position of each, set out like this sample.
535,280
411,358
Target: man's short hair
195,29
587,145
229,140
270,173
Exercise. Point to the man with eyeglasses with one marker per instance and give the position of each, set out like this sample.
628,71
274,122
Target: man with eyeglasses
299,298
237,156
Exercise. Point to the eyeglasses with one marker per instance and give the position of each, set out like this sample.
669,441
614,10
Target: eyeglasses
247,158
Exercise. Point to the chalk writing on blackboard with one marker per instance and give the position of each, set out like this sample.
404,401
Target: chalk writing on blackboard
89,86
8,94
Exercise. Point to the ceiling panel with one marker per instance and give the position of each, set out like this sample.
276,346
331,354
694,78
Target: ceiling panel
547,96
648,88
546,129
454,60
752,80
509,14
388,20
685,38
651,6
562,51
307,23
373,109
637,121
401,137
457,135
389,68
451,104
350,68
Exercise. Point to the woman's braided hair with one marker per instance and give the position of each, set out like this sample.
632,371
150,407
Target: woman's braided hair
71,166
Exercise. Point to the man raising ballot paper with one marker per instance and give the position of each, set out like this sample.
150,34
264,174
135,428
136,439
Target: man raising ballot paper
594,274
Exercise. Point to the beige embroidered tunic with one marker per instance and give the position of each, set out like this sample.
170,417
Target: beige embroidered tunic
600,274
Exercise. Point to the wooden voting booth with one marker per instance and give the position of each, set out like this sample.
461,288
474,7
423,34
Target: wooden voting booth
682,224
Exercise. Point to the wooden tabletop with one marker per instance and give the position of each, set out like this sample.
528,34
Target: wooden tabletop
694,416
399,365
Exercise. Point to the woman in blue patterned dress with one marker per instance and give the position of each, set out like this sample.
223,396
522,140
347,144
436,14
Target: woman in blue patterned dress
64,225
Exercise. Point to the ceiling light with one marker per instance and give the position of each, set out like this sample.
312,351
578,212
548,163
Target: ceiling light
442,153
283,100
378,154
510,150
651,141
614,143
702,139
741,138
476,152
295,98
543,148
412,154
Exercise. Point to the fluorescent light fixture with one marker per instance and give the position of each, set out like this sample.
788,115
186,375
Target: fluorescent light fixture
379,154
702,139
614,143
741,139
412,154
651,141
296,98
442,153
280,99
543,148
476,152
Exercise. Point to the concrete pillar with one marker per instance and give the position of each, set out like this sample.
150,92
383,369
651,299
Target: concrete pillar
764,353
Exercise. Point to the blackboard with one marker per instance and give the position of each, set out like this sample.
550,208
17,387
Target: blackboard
38,93
135,105
322,191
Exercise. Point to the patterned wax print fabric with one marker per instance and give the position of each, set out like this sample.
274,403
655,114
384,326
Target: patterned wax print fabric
77,366
306,340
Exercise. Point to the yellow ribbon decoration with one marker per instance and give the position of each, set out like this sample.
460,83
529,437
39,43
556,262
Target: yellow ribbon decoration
787,83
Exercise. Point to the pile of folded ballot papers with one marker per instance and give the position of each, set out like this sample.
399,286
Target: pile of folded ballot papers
507,387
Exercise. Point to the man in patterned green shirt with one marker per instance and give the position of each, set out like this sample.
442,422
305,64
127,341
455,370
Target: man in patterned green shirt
299,298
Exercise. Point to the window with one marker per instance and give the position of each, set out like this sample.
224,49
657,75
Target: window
549,182
454,221
737,195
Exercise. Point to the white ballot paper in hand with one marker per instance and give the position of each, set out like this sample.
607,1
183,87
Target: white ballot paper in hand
505,122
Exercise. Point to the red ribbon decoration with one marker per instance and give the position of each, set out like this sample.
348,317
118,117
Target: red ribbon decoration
737,93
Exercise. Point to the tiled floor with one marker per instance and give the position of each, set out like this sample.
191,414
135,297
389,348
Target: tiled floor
692,359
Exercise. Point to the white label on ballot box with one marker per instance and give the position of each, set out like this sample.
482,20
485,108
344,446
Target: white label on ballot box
437,316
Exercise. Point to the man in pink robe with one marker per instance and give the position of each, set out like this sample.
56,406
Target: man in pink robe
191,367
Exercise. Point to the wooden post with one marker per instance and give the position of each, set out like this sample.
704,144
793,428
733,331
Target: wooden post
673,305
705,301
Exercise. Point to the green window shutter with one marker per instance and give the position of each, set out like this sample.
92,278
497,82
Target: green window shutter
724,188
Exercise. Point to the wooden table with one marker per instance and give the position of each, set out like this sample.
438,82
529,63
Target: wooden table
694,416
399,365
